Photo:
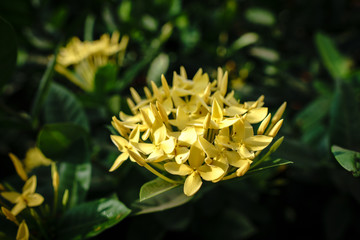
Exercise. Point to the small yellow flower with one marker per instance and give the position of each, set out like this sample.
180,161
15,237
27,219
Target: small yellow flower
194,129
23,231
9,215
28,197
79,61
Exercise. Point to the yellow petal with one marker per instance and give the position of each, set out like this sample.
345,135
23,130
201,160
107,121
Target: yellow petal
159,135
135,134
12,197
210,172
21,205
157,156
244,168
197,155
275,129
120,142
23,231
188,136
233,158
208,148
18,167
145,148
9,215
165,85
119,160
216,111
223,84
245,153
156,91
258,142
256,115
182,154
235,110
34,200
35,158
168,145
228,122
264,124
135,95
178,169
279,113
30,185
135,156
192,184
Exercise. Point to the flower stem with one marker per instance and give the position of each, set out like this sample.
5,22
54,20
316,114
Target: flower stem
151,169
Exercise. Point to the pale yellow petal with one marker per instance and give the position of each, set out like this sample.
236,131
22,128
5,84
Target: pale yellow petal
245,153
258,142
18,167
168,146
192,184
120,142
9,215
182,154
30,185
264,125
178,169
275,129
119,160
23,231
228,122
159,134
21,205
256,115
233,158
12,197
136,157
157,155
145,148
216,111
279,113
235,110
210,172
34,199
188,136
135,134
197,155
208,148
244,168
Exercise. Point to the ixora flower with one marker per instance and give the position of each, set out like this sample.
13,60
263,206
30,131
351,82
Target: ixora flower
28,197
79,61
194,130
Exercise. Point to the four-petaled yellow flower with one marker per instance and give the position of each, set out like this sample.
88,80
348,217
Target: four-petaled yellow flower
194,129
28,197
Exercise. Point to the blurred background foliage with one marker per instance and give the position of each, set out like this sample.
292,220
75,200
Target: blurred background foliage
300,51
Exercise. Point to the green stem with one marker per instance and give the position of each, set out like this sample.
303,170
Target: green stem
148,167
37,219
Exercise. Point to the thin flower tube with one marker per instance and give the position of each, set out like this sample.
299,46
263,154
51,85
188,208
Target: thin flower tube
194,130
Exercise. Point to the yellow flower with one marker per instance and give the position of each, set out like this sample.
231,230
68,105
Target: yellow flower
28,197
194,129
34,158
79,61
23,231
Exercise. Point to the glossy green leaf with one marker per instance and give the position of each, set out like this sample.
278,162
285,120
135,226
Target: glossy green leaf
64,142
154,188
89,219
75,178
337,65
61,105
350,160
8,53
170,198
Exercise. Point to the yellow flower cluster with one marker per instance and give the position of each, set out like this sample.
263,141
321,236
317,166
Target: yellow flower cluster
79,61
195,129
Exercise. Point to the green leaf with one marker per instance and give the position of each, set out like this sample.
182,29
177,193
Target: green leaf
43,89
105,78
158,67
350,160
154,188
159,199
91,218
8,53
75,178
62,106
337,65
64,142
345,116
260,16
